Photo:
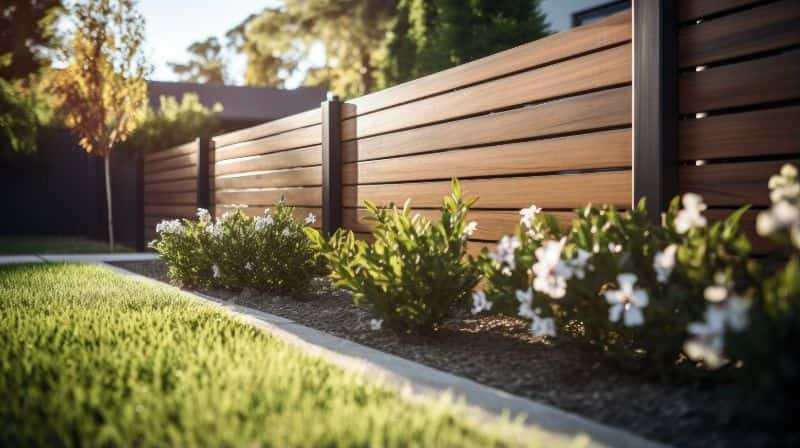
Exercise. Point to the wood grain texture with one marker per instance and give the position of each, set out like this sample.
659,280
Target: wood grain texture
286,159
300,177
769,27
730,184
297,138
180,150
604,33
580,113
189,172
492,224
595,150
171,211
748,83
185,186
171,163
594,71
170,198
697,9
758,133
307,196
560,191
303,119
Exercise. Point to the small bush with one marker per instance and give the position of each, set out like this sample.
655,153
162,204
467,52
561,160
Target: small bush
417,270
268,253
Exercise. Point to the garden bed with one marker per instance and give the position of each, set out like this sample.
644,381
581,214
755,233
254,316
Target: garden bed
500,352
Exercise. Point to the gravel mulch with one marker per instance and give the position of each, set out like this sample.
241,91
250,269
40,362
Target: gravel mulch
500,352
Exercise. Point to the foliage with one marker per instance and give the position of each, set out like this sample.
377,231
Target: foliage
27,33
416,272
206,63
432,35
89,358
19,124
173,123
655,296
266,253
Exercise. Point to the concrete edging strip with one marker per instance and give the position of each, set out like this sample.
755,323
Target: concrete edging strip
420,380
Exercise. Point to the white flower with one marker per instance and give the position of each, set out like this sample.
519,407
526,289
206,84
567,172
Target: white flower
782,215
664,263
692,213
310,219
627,300
262,222
226,215
528,214
525,298
543,326
286,232
215,270
614,248
480,303
551,273
504,252
784,186
169,226
215,229
469,229
375,324
203,215
579,264
709,336
248,266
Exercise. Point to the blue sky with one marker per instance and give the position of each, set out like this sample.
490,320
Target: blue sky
172,25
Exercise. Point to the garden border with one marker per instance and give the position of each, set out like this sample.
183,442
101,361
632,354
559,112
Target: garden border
417,381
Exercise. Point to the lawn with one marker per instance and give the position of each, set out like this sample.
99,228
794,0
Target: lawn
21,245
88,357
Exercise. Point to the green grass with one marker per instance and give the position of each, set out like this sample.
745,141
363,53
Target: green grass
22,245
90,358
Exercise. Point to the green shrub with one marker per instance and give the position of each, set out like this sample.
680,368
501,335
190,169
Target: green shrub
416,272
268,253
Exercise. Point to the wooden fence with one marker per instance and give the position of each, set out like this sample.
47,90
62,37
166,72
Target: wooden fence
559,122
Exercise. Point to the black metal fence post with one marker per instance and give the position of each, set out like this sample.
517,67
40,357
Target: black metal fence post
204,147
655,103
331,165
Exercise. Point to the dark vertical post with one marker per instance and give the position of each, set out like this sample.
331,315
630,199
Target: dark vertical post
204,145
655,103
331,165
140,243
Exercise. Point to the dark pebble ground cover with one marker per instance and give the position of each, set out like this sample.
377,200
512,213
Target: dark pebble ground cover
500,352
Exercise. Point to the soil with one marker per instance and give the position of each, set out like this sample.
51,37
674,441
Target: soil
500,352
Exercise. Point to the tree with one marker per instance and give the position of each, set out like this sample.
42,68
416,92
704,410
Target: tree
27,29
206,63
432,35
102,89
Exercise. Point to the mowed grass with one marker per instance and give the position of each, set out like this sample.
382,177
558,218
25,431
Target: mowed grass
90,358
23,245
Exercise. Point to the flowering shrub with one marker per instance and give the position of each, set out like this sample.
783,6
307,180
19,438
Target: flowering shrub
266,253
652,295
416,272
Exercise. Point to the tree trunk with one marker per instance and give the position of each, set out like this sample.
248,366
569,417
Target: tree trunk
108,202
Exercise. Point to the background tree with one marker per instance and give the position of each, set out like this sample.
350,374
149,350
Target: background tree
431,35
27,31
206,63
103,90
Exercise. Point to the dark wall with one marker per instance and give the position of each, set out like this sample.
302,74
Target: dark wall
61,191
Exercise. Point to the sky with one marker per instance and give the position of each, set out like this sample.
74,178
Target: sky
173,25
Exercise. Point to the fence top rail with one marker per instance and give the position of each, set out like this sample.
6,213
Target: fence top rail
300,120
604,33
175,151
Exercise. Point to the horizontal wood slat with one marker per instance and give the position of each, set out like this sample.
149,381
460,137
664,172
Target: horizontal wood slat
174,211
595,150
185,186
770,27
492,225
561,191
189,172
170,198
289,123
604,33
171,163
594,71
309,196
299,177
585,112
181,150
748,83
297,138
697,9
286,159
763,132
730,184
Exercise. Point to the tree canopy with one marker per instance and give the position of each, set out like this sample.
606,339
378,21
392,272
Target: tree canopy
27,31
206,63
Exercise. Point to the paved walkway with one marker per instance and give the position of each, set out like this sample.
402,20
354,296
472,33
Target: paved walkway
82,258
